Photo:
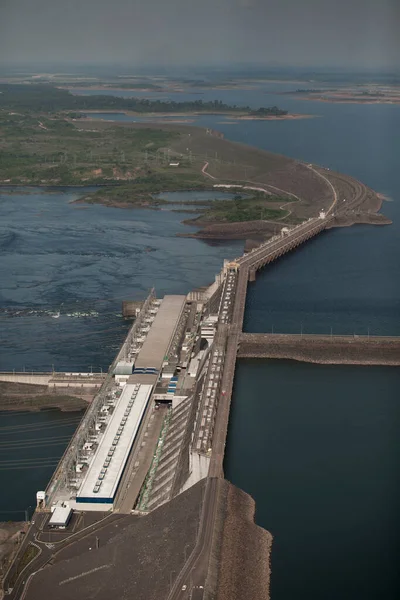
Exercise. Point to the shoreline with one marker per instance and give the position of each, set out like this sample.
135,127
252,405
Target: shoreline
236,115
288,117
346,100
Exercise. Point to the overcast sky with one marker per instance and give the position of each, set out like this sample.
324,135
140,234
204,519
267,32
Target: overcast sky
351,33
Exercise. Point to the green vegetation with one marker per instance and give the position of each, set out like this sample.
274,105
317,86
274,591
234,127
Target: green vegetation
273,111
254,208
41,150
30,553
141,191
49,99
41,145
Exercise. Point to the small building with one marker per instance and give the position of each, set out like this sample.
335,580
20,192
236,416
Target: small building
174,164
40,499
124,368
61,517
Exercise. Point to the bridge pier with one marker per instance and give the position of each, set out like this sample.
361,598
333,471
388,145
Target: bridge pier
252,274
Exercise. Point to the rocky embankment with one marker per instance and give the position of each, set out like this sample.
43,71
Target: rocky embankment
244,563
235,231
11,536
23,396
334,350
361,218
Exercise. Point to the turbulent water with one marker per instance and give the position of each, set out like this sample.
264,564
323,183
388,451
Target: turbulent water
316,446
65,269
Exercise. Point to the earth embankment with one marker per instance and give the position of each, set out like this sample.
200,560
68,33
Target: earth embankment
23,396
244,568
335,350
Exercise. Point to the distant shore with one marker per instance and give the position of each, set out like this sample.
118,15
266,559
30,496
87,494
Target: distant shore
288,117
236,115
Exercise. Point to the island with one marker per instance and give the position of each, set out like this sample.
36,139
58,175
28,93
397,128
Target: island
351,94
46,140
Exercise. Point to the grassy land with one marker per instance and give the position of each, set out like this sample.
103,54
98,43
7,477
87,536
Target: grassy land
243,208
39,150
30,553
141,191
36,149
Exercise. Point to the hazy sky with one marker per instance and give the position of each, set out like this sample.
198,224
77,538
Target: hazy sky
351,33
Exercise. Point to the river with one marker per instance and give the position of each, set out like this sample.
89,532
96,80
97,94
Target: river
316,446
65,270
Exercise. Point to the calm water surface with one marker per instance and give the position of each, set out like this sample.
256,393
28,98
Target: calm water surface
316,446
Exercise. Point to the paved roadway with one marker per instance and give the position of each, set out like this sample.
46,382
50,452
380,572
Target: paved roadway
49,551
335,196
269,249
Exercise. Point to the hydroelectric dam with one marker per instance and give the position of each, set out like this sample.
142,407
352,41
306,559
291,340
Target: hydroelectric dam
157,425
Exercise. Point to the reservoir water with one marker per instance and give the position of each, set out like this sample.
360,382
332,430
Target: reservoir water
317,447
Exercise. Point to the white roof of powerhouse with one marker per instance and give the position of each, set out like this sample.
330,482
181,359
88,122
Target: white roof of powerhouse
126,438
